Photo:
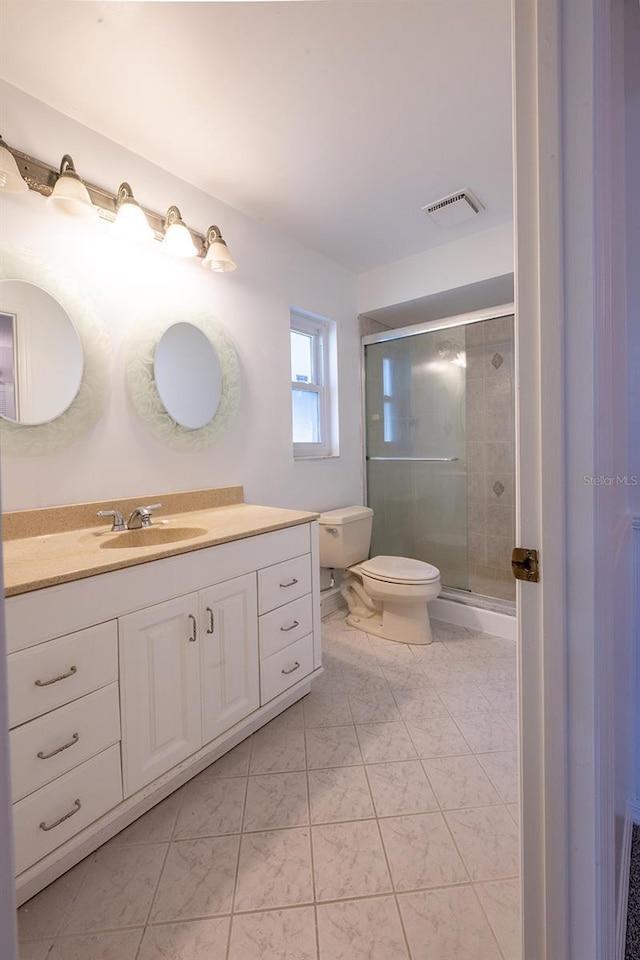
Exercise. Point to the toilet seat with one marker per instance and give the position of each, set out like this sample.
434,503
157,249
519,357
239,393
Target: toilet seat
399,570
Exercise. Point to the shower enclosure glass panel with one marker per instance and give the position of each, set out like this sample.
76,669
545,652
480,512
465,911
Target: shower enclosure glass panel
415,407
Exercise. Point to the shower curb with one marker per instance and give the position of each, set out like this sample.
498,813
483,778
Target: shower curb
474,618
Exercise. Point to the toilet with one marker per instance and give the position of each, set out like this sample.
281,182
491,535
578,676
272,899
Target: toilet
386,596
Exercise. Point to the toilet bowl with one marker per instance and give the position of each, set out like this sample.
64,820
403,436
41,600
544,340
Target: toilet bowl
387,596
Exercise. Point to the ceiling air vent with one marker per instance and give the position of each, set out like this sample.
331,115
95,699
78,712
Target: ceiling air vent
454,209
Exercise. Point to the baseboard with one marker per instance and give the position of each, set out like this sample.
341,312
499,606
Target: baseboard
466,615
632,817
330,601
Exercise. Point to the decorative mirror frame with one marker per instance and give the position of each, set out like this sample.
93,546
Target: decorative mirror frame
143,391
91,399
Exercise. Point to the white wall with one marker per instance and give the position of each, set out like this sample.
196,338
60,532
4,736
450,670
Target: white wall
126,284
470,260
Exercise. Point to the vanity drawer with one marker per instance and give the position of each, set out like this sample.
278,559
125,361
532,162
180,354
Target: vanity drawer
44,820
61,670
285,625
283,582
285,668
48,747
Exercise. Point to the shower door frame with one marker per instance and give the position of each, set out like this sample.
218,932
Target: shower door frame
414,330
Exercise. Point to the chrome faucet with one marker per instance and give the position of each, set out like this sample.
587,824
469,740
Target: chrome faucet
118,521
141,516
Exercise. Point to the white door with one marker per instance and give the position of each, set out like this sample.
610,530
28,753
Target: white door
229,654
159,689
574,633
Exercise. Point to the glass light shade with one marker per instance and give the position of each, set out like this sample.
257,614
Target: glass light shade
10,179
218,257
70,196
131,223
178,242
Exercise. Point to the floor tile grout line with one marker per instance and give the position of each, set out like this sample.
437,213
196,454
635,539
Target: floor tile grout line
285,907
238,855
488,919
313,871
53,937
161,871
388,864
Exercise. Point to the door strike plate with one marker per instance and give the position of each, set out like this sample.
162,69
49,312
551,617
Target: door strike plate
524,564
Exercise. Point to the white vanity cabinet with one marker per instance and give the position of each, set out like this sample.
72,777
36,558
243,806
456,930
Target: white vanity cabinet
230,681
125,684
160,690
188,672
64,738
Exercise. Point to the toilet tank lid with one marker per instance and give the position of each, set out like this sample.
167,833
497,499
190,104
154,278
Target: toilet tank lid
334,518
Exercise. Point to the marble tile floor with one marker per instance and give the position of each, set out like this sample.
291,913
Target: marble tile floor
376,819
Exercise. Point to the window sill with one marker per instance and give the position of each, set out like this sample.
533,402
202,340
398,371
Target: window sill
316,456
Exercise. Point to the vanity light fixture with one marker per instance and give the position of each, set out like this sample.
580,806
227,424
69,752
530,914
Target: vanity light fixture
64,190
69,194
10,177
218,257
131,222
178,241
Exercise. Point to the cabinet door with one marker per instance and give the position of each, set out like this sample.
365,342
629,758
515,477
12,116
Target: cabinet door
159,689
230,673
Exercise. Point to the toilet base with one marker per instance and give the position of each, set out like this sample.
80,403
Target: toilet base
400,622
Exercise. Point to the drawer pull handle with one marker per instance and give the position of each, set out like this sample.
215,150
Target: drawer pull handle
194,635
211,623
292,627
65,746
56,823
63,676
294,667
291,583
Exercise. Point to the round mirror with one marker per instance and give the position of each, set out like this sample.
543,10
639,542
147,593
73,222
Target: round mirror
188,375
41,359
183,378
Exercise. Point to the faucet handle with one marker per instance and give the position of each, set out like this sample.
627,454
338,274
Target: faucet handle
141,516
118,520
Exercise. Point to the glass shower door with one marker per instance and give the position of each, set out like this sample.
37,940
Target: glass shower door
415,409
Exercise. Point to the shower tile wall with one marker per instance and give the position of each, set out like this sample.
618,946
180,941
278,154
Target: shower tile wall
490,456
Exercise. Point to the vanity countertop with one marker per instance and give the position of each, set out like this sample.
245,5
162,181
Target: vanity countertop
67,548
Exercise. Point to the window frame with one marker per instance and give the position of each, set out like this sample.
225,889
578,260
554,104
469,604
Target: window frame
322,332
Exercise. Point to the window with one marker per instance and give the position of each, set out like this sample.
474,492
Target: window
313,386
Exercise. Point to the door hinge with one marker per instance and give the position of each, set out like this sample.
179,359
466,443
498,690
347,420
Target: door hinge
524,564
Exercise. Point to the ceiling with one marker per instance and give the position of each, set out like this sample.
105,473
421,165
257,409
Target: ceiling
333,120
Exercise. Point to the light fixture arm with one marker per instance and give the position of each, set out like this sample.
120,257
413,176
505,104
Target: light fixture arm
41,177
174,216
67,167
213,233
124,193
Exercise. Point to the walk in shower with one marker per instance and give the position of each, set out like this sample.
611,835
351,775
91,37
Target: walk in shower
440,447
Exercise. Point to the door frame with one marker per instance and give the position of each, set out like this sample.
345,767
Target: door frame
568,248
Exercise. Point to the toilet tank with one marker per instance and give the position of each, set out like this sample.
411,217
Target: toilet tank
345,536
